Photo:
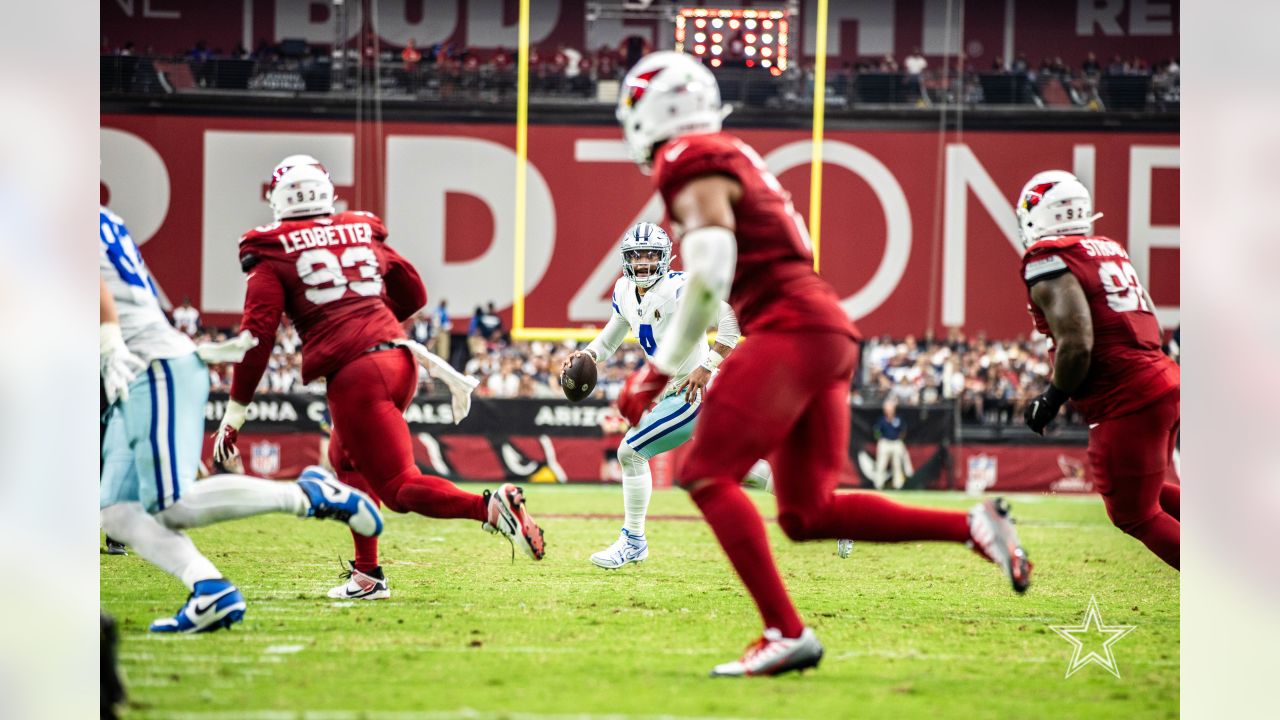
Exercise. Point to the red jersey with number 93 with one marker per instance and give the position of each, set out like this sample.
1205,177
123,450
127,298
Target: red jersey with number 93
339,282
1127,370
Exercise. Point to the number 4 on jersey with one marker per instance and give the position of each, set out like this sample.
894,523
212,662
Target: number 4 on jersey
646,339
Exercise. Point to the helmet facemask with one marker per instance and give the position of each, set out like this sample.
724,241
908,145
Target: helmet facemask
646,254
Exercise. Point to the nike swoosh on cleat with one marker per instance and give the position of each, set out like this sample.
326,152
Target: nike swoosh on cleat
202,610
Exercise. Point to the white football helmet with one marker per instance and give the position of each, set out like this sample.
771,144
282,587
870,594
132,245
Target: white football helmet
667,94
1053,203
301,191
646,236
288,164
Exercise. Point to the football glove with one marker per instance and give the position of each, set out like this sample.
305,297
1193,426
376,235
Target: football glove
1043,409
224,442
117,365
639,392
227,351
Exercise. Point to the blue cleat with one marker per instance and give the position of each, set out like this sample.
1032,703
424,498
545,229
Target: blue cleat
328,498
212,605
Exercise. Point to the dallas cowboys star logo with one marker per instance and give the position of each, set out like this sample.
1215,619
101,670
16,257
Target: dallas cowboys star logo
1091,625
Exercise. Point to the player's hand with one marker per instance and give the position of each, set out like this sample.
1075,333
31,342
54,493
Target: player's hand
695,383
564,367
227,351
1043,409
639,392
117,365
224,442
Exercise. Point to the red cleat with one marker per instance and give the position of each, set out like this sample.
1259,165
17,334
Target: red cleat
508,516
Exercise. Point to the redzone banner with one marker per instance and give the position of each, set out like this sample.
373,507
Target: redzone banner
918,229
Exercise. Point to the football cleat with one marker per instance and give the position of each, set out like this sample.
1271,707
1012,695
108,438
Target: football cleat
627,548
212,605
115,547
328,498
773,654
361,586
993,536
844,548
507,515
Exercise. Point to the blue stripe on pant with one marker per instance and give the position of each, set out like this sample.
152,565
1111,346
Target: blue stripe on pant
151,448
667,426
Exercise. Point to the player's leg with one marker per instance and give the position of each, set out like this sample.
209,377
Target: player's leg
183,389
1129,457
667,426
1171,493
882,463
366,398
363,576
747,413
808,466
132,488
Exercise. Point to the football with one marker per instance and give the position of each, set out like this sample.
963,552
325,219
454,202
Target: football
580,379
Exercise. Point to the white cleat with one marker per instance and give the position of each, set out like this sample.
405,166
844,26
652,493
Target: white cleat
773,654
844,548
508,516
361,586
992,535
626,549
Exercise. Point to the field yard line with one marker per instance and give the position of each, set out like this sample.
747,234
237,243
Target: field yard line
900,655
463,714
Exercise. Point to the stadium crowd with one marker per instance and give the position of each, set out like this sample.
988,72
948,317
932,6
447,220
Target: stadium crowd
989,379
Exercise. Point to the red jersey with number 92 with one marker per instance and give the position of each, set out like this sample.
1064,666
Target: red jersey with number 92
1127,369
339,282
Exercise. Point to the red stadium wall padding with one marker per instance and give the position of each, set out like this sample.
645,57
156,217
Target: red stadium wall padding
905,251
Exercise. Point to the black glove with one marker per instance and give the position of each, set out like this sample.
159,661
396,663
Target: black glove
1043,409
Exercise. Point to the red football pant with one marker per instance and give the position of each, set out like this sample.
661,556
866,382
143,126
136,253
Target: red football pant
1130,458
785,396
371,448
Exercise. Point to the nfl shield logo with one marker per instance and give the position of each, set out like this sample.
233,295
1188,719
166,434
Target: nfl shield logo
264,458
982,474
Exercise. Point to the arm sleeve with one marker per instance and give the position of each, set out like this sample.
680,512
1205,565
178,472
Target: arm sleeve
263,303
607,342
710,255
406,294
727,332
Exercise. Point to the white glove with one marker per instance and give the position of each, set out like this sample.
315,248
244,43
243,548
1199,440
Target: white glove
117,365
227,351
460,386
224,443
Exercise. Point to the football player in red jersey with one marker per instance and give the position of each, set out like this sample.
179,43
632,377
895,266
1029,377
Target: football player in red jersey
348,292
785,393
1085,295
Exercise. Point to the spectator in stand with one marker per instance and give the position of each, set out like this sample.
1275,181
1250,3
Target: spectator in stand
475,335
491,324
410,56
606,63
504,383
891,448
1021,66
186,318
915,64
420,329
128,49
1118,66
1090,67
443,327
888,64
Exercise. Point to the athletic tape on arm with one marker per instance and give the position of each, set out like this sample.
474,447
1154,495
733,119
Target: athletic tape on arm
710,255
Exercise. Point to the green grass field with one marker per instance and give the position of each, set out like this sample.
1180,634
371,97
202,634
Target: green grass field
911,630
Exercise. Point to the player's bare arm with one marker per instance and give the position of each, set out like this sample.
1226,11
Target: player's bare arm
1066,309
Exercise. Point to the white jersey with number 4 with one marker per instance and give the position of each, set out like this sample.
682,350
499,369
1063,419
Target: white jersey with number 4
648,317
146,330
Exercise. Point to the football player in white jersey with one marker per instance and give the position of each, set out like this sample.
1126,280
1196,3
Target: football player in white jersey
156,385
645,299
